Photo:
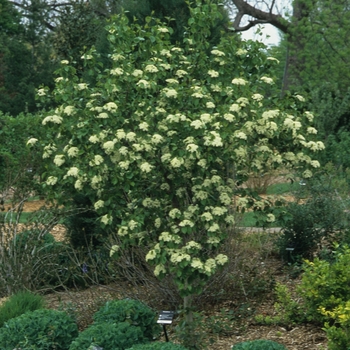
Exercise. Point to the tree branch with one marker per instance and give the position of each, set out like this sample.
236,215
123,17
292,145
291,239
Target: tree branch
260,17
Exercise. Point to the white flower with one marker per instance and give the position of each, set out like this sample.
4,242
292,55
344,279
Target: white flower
271,114
197,124
300,98
186,222
82,86
241,52
51,180
137,73
41,92
214,228
124,165
197,95
32,141
59,159
69,110
206,118
307,174
174,213
221,259
229,117
78,185
172,81
143,83
159,269
151,68
267,80
117,71
130,136
181,73
99,204
243,101
177,162
97,160
241,135
93,139
117,57
239,81
114,249
213,73
217,53
151,255
103,115
170,92
163,30
106,219
143,126
120,134
311,130
73,152
309,116
315,163
73,171
270,218
156,138
257,97
235,108
108,146
110,106
191,148
210,105
146,167
52,118
273,59
64,62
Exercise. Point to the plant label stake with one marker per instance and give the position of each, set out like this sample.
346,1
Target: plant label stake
164,318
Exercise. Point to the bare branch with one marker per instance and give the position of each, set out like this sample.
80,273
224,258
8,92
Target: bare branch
259,17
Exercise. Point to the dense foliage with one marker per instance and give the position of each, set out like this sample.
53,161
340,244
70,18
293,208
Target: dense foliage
109,336
18,304
130,311
41,329
258,345
166,135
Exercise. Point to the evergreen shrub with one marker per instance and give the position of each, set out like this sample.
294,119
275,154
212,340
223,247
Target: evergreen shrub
18,304
158,346
40,330
260,344
109,336
131,311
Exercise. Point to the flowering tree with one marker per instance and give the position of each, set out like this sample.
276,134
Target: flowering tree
165,136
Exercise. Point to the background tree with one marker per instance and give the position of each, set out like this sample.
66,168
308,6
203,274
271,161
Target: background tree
316,33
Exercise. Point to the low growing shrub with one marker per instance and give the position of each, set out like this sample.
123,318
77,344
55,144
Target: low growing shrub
325,284
158,346
259,344
40,330
18,304
131,311
109,336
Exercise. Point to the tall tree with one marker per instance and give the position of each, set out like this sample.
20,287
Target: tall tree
316,32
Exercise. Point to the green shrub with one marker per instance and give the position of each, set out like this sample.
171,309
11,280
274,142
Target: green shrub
325,284
304,226
132,311
158,346
18,304
83,229
260,344
41,330
109,336
29,238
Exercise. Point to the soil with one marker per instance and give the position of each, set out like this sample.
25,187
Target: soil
85,302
